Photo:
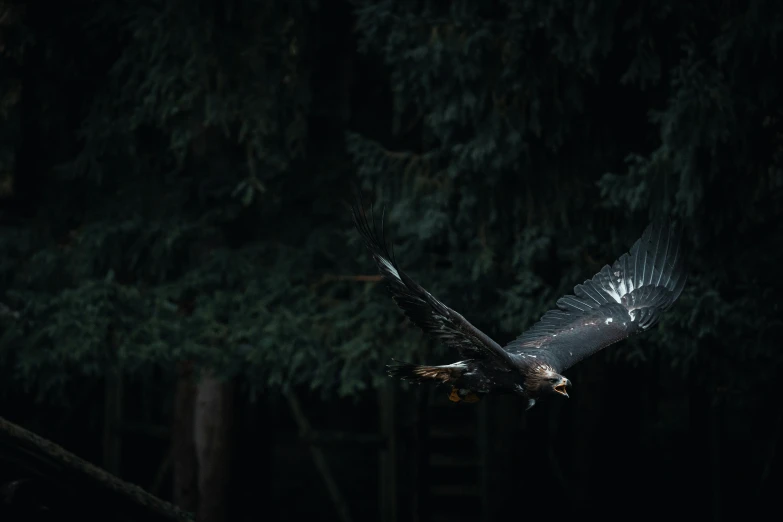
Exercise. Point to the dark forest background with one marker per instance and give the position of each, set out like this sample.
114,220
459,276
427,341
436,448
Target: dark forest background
184,301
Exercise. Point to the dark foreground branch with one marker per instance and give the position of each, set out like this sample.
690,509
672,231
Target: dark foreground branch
75,485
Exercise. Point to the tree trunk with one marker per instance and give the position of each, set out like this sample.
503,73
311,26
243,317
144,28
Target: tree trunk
388,454
112,420
183,448
498,422
212,435
699,427
421,496
716,452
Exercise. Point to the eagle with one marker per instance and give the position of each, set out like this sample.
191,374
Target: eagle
621,300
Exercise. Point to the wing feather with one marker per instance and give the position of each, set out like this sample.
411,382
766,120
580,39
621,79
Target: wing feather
422,308
619,301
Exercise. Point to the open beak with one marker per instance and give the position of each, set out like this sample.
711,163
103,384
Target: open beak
561,387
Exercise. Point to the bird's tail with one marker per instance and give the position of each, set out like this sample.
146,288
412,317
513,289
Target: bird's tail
417,373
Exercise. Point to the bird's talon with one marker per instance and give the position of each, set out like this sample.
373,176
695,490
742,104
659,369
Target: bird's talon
454,395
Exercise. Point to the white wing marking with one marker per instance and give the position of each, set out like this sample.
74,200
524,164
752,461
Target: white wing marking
389,267
573,302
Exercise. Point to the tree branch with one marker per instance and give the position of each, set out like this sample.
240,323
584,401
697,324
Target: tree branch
319,459
83,483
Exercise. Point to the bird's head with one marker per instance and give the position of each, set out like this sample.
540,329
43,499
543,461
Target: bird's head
543,380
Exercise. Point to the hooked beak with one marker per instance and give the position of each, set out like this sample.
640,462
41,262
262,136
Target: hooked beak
561,387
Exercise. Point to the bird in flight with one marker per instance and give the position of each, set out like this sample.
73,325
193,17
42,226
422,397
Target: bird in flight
623,299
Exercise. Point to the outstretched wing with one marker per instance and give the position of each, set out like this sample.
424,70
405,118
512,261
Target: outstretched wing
421,307
619,301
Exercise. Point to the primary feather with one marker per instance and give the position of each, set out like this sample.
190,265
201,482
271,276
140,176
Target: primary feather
421,307
619,301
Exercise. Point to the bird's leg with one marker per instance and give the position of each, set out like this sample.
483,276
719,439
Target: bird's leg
471,397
